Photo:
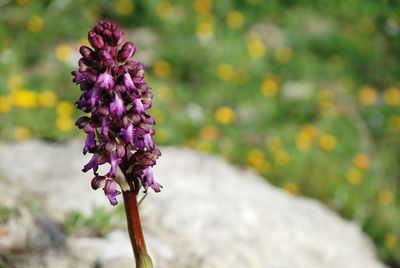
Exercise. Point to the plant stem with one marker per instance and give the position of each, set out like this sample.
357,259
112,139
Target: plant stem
135,230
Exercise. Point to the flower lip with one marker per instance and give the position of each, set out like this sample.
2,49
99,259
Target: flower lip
90,142
128,82
138,106
105,81
111,192
117,107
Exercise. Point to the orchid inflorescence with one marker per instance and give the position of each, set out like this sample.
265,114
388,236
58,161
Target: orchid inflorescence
116,96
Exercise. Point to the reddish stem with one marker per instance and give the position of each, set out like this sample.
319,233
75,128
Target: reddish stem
134,226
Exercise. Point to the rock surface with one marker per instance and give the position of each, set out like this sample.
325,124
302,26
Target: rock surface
209,214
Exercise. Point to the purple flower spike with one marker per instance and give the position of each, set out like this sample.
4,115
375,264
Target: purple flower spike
117,97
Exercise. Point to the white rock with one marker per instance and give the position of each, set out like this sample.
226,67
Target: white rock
53,173
114,248
209,214
227,217
14,231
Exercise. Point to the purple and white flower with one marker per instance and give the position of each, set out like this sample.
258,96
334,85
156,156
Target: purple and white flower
117,97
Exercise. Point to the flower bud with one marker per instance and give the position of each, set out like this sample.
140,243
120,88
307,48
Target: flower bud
86,52
126,52
97,182
110,146
103,110
82,122
118,37
95,40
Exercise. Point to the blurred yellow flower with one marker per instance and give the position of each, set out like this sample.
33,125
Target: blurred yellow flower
47,99
63,53
5,104
274,144
390,240
65,109
311,130
209,133
281,157
392,96
64,123
164,9
256,159
283,54
24,98
22,134
203,7
234,19
354,176
394,123
23,2
225,72
326,95
303,141
361,161
15,81
205,30
269,87
292,188
224,115
35,24
367,96
385,197
256,48
124,7
326,99
327,142
162,68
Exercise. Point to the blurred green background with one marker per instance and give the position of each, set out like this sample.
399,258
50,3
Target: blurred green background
305,92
